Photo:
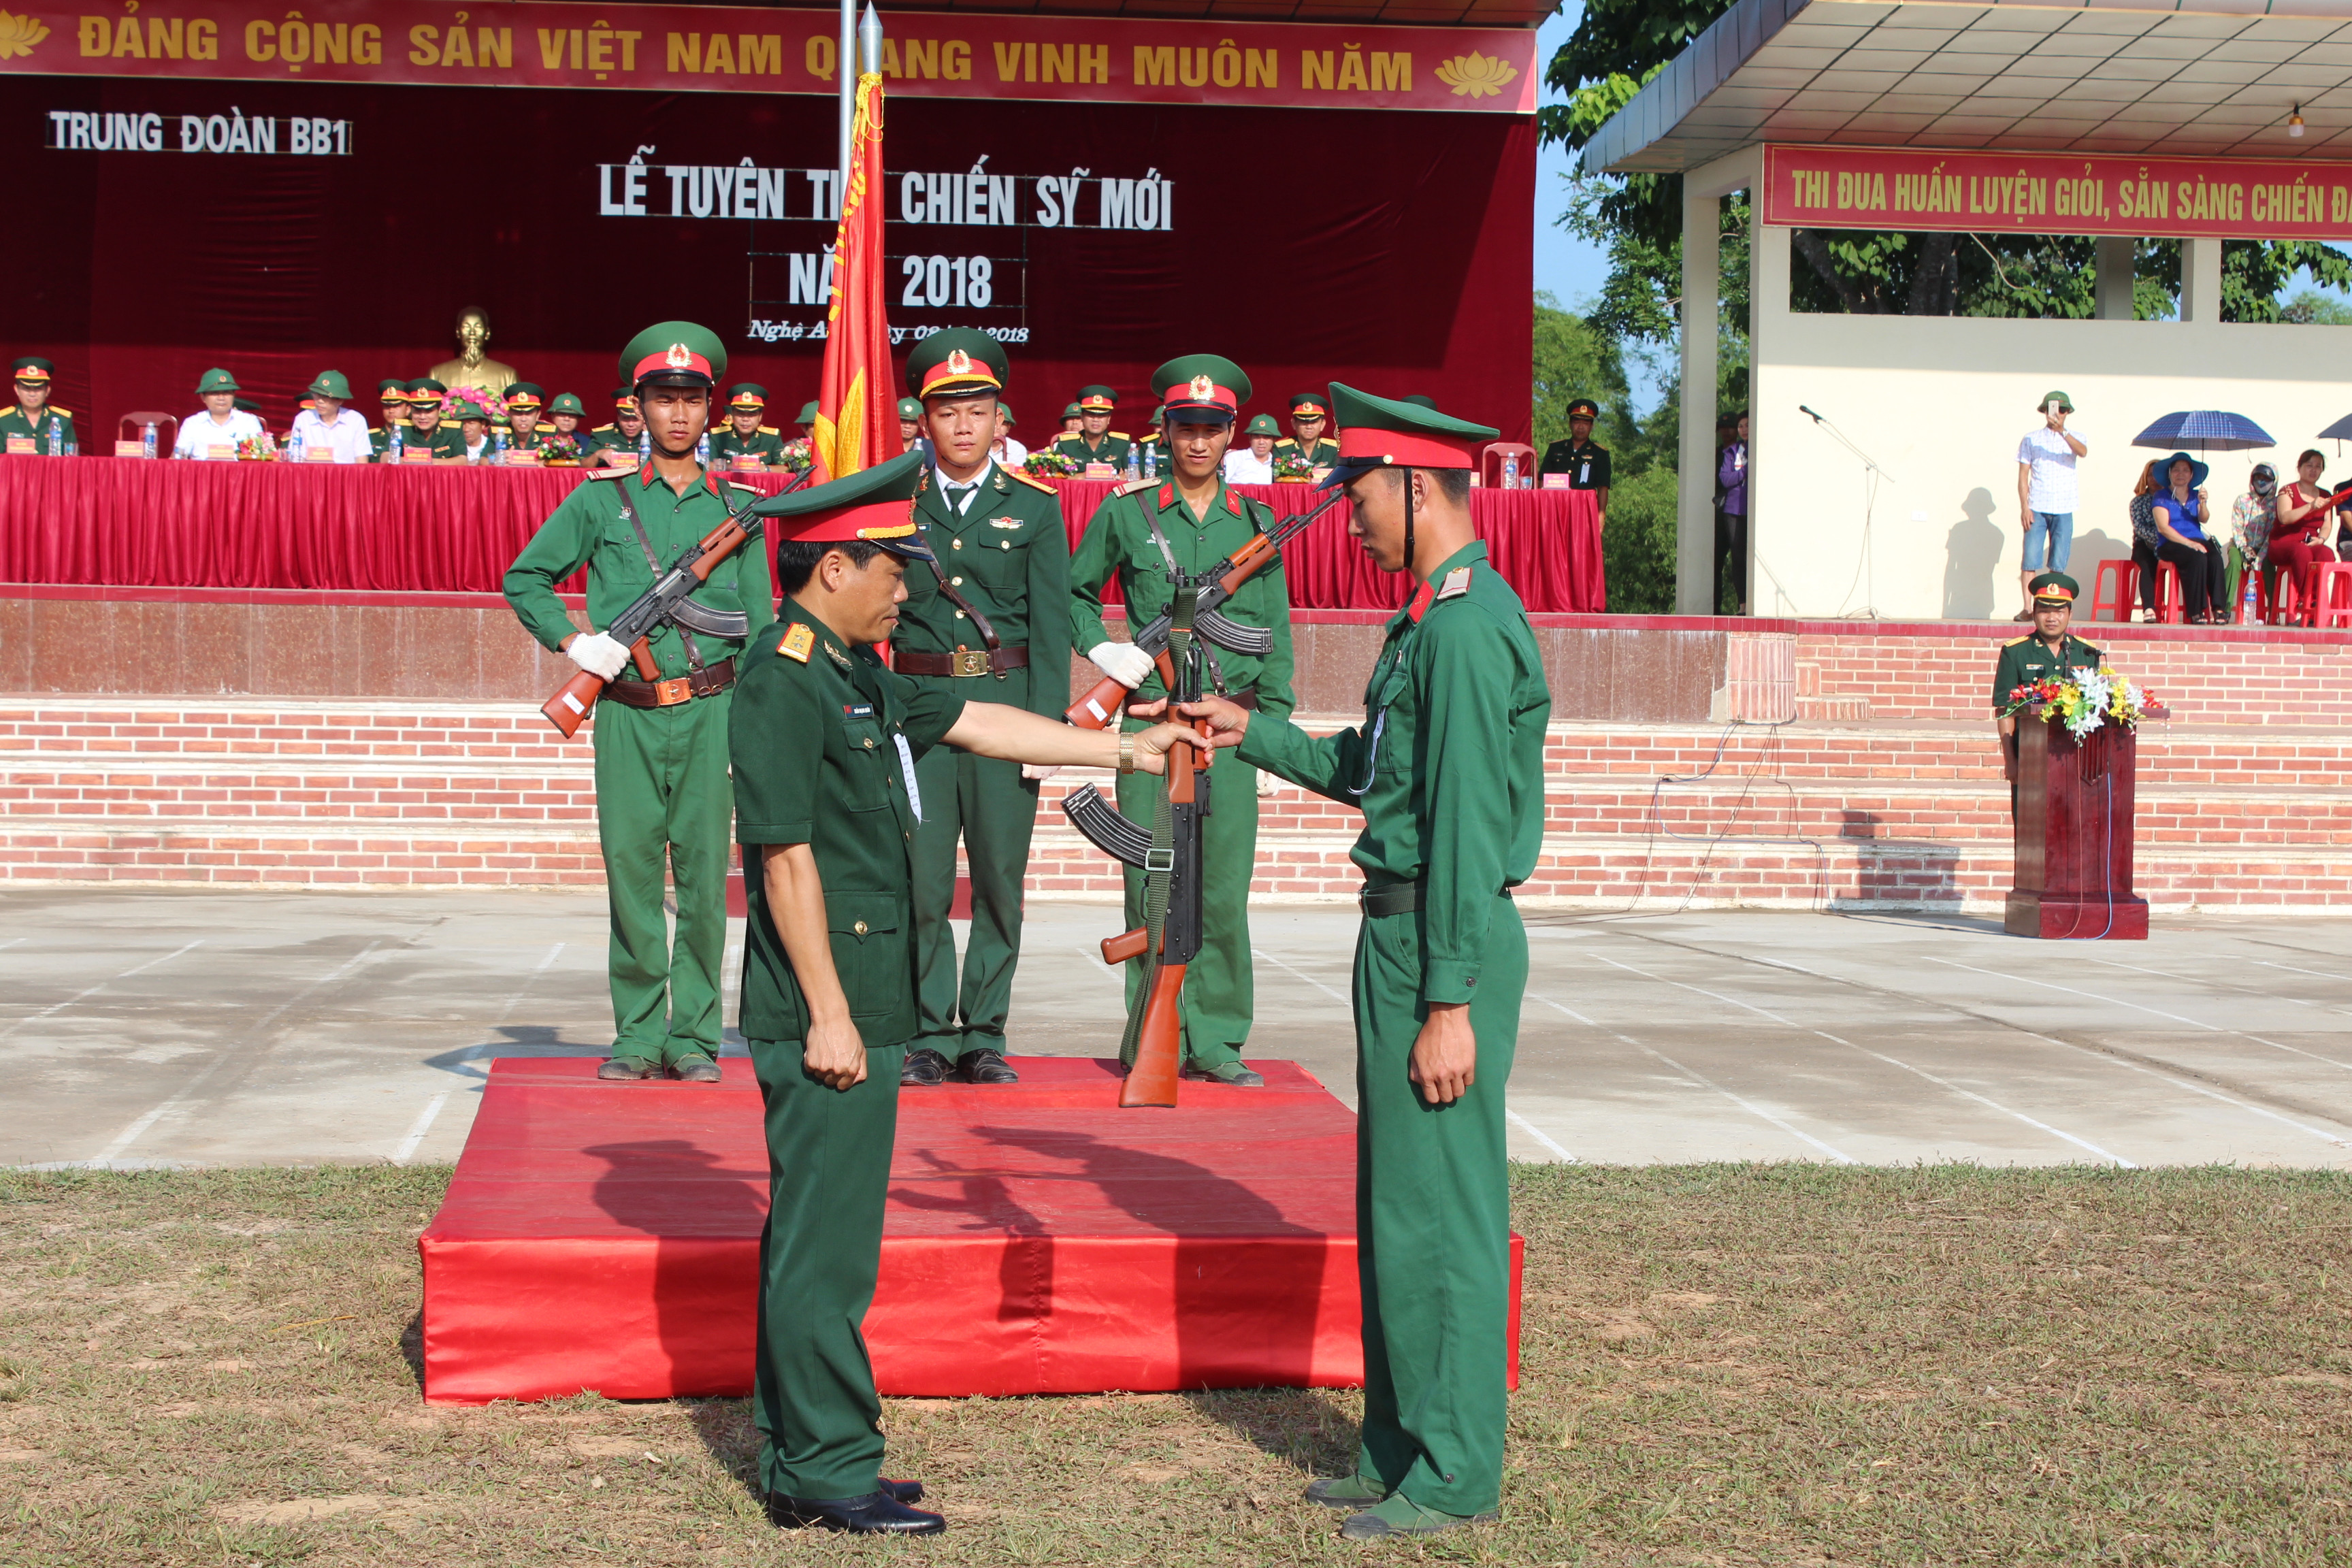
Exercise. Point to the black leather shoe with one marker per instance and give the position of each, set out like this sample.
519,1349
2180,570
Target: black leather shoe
903,1492
1232,1073
628,1069
695,1069
985,1066
875,1513
923,1068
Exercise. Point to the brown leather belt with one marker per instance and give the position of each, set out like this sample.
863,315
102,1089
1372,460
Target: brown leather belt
686,687
965,661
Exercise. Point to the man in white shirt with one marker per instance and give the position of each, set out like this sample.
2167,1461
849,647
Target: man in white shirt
222,423
1005,448
2046,494
1253,464
328,426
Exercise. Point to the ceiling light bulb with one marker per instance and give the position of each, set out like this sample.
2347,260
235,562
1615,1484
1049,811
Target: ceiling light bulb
2294,122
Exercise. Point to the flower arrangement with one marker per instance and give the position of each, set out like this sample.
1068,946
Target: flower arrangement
256,449
560,451
2085,700
1050,465
1293,469
795,458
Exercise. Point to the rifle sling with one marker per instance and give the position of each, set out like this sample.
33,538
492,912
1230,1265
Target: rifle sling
653,562
988,636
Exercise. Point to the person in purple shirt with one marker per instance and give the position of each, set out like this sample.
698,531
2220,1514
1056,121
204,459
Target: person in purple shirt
1731,515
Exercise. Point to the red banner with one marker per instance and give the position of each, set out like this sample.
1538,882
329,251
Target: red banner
706,49
2204,198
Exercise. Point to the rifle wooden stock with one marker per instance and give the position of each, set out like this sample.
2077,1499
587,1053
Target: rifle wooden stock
570,707
1126,945
1151,1081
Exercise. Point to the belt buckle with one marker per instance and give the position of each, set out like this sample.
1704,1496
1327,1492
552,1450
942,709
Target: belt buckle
968,661
670,693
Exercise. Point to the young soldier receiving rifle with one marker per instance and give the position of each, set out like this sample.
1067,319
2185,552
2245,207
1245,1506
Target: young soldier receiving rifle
985,619
826,746
662,792
1448,769
1147,533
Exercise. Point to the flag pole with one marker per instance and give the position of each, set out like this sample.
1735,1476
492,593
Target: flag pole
846,69
869,42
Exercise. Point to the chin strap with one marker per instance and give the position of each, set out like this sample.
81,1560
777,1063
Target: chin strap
1409,566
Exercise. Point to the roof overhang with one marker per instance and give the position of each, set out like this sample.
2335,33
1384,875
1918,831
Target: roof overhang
2195,77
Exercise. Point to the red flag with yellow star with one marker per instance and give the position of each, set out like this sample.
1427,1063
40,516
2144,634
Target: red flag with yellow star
857,414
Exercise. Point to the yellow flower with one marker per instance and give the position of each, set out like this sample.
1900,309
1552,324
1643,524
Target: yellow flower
1479,76
19,34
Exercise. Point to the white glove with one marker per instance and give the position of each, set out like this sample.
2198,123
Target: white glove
1123,662
1040,770
597,653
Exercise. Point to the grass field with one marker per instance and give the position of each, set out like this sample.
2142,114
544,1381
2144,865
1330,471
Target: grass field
1723,1364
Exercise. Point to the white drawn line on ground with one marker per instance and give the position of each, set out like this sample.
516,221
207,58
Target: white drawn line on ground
1704,1082
2292,969
10,942
1701,990
131,1134
61,1006
1541,1136
1094,956
2226,986
1293,969
418,1128
1981,1100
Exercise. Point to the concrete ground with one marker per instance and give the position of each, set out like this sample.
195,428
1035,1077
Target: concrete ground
141,1029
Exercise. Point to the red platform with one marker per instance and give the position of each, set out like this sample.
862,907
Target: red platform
1039,1240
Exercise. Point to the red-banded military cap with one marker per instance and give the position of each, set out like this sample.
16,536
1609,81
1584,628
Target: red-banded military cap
34,370
2055,588
1584,408
1197,386
747,395
624,399
875,504
1309,406
676,353
1096,400
1387,432
525,395
957,362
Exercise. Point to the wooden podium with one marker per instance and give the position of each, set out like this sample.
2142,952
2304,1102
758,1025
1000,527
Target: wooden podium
2074,834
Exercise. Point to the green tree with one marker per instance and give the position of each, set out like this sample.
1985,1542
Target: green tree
1572,361
2312,308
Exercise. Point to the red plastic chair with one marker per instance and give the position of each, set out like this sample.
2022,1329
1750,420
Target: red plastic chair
133,425
2302,593
2117,588
2331,598
1491,463
2170,608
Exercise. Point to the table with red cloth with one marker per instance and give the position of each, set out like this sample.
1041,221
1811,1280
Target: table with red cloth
134,523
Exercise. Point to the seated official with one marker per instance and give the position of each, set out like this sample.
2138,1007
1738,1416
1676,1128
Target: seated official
621,444
2180,511
35,418
1585,463
328,426
475,446
1003,448
1253,464
216,431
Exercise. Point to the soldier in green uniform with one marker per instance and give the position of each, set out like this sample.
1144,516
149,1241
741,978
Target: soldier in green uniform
1447,767
826,745
1146,532
564,412
392,396
617,444
1585,463
1152,452
1073,420
745,436
51,428
1310,426
807,420
524,400
986,618
427,431
662,793
1096,441
910,423
2047,654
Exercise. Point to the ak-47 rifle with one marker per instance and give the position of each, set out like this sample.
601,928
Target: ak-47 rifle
1101,704
669,599
1170,857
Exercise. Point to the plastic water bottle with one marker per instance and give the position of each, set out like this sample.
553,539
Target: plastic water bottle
393,445
645,445
1134,464
1510,470
294,443
147,440
1151,462
2253,592
702,449
57,437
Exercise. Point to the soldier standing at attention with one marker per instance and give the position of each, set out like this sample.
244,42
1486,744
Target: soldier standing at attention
662,791
50,427
986,619
825,744
1447,767
745,436
1096,441
1585,463
1310,426
1187,523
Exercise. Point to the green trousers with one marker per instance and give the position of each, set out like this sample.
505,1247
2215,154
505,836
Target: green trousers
993,809
813,1394
1220,998
664,798
1433,1225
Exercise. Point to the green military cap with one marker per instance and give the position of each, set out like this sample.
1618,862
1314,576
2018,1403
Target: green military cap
747,395
1418,400
1096,399
624,399
389,386
1159,417
330,383
675,354
426,386
910,408
217,380
525,395
31,369
1384,432
956,361
568,403
2055,588
1072,411
1006,410
1262,424
875,504
2065,404
1309,406
807,413
467,408
1207,386
249,404
1580,408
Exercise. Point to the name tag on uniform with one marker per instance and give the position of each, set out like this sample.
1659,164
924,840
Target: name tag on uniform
1585,472
907,767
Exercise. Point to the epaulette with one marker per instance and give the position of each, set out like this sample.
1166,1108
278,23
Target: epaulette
2014,641
67,413
602,428
609,473
1132,485
1033,482
1457,582
770,430
1282,441
796,643
1120,435
739,485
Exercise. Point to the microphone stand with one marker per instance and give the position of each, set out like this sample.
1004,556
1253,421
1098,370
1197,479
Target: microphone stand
1865,566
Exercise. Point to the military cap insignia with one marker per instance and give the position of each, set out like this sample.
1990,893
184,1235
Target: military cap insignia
677,357
958,363
797,642
1202,388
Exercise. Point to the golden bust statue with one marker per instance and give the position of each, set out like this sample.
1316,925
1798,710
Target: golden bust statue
472,367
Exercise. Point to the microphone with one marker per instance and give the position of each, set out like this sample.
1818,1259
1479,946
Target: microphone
1802,409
